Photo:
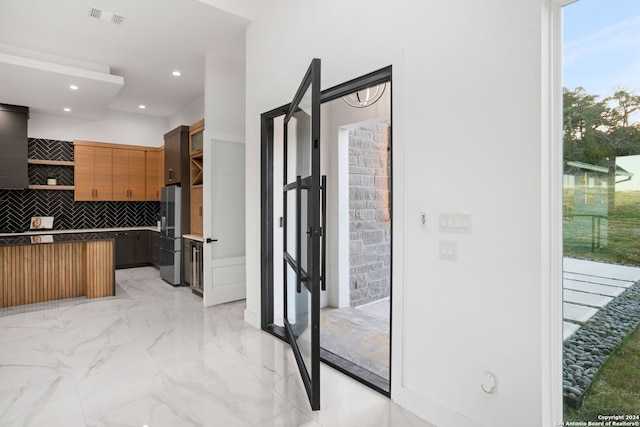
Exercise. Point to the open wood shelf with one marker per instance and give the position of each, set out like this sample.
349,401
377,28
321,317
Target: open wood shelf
52,187
50,162
196,171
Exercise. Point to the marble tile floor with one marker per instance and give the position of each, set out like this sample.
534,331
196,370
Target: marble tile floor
154,356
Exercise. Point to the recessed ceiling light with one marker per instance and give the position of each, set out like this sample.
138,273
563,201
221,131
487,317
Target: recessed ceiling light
67,109
177,73
142,106
73,87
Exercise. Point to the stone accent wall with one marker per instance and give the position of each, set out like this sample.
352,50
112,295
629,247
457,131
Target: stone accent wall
369,214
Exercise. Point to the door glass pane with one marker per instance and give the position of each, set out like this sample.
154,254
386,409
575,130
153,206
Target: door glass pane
291,223
278,213
299,140
299,315
292,152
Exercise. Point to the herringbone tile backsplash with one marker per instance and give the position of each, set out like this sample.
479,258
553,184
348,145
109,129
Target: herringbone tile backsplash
18,206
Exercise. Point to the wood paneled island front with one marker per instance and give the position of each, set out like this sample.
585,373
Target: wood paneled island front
40,268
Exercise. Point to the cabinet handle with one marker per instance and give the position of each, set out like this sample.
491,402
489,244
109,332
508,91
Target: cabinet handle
170,174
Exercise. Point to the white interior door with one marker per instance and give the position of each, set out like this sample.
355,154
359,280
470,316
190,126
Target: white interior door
223,219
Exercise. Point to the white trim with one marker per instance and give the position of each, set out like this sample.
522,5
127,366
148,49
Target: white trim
344,261
398,261
552,172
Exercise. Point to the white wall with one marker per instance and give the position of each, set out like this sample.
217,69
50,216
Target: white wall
225,97
188,115
467,107
114,127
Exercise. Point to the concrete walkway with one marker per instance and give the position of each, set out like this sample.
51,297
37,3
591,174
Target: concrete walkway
588,286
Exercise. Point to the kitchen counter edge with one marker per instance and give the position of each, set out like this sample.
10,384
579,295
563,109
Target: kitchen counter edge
79,231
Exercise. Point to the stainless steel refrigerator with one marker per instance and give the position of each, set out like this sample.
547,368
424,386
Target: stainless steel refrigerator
170,234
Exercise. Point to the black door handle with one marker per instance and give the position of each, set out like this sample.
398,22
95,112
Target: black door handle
209,240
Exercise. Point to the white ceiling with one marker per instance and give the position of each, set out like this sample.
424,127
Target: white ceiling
46,46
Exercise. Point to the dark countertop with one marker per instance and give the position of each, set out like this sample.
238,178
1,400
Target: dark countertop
44,238
56,236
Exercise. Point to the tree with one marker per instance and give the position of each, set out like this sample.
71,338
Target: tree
622,104
583,115
622,138
597,132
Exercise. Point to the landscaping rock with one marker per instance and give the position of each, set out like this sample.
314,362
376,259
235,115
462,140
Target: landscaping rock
590,346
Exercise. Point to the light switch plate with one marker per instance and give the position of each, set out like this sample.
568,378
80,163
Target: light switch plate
449,250
455,223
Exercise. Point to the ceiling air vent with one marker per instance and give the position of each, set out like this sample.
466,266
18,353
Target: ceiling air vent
105,16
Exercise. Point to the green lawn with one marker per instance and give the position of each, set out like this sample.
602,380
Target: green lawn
623,241
616,388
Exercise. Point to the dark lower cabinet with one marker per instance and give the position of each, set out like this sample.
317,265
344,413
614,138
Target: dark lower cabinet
125,248
155,248
133,248
143,247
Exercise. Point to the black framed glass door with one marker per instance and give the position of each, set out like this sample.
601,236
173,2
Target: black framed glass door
302,230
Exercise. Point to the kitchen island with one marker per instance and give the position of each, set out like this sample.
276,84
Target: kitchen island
46,267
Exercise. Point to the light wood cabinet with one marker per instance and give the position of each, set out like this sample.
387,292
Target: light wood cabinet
154,177
196,132
129,181
196,211
117,172
93,171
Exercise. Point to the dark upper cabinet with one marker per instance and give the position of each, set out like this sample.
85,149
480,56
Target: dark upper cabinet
13,145
176,156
